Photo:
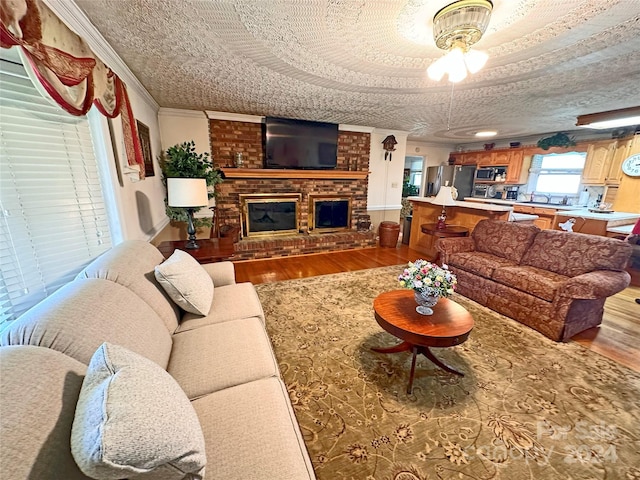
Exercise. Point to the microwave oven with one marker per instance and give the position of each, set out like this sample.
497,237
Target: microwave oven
487,191
486,173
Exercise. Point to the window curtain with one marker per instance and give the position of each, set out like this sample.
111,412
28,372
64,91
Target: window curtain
67,69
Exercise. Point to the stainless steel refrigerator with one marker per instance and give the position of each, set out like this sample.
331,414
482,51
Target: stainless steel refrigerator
463,179
437,177
460,176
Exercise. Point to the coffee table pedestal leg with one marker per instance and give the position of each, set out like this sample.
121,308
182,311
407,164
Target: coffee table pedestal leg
415,349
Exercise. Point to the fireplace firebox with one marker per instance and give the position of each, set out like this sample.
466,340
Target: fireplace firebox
329,213
270,214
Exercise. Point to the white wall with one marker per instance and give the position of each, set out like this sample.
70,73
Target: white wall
385,178
434,154
140,203
178,126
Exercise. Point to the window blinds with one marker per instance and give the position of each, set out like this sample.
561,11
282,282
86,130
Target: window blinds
53,218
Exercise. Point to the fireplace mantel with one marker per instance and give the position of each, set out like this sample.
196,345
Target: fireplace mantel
282,173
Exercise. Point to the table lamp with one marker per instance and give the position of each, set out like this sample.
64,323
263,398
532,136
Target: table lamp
444,198
189,193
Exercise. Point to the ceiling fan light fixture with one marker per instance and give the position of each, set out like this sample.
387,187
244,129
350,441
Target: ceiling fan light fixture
465,20
610,119
475,60
455,28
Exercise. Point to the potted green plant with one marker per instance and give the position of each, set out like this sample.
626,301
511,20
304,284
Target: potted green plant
182,161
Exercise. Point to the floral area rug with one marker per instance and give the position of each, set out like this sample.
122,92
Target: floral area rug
527,407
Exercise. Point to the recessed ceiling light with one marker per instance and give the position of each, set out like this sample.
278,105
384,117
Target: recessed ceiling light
488,133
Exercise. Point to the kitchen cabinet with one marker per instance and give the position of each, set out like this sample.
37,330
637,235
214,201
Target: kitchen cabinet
518,168
503,157
596,167
469,158
622,151
513,158
629,190
545,218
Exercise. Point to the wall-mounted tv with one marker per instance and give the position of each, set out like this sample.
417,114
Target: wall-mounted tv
300,144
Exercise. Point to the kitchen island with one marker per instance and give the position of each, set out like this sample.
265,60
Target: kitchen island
595,223
464,214
544,212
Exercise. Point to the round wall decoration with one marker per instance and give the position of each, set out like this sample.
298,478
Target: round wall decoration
631,166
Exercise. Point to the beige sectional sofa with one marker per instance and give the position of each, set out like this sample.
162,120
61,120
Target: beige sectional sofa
553,281
223,362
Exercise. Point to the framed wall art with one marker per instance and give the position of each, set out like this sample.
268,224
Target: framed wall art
145,144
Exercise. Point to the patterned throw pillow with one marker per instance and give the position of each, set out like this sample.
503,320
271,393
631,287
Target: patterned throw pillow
186,282
133,420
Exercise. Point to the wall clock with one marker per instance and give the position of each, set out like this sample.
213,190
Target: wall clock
631,166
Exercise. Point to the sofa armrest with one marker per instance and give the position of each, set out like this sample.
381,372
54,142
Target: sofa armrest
222,273
449,246
596,284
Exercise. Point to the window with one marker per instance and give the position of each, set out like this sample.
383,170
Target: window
557,174
53,217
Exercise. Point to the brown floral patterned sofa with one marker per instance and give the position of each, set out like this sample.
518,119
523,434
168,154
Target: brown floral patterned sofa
553,281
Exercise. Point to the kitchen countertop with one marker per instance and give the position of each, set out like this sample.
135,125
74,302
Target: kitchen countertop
624,229
585,213
524,204
521,217
466,204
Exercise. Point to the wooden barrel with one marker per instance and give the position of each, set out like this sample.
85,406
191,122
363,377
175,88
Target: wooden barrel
389,232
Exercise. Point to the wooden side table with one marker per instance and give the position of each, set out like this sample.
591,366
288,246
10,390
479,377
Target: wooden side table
448,231
211,249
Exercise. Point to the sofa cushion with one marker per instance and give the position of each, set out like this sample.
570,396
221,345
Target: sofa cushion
132,264
572,254
83,314
222,355
251,432
133,419
480,263
508,240
230,302
186,282
534,281
38,395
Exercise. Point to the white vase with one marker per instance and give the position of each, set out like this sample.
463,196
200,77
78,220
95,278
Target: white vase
425,302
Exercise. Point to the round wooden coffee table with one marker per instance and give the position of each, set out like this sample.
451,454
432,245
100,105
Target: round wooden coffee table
449,325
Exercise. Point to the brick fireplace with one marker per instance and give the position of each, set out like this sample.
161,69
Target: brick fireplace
347,183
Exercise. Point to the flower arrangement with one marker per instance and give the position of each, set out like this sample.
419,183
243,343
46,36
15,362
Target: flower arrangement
428,278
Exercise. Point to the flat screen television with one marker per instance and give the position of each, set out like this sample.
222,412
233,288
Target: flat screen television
300,144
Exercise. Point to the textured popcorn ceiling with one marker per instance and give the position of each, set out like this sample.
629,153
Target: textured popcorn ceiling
363,62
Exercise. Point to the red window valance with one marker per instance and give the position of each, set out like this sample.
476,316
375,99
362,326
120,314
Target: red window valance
71,74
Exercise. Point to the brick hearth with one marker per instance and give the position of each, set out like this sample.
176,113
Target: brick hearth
229,137
289,245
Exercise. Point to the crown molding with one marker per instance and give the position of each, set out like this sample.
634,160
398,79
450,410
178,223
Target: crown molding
234,117
395,133
179,112
355,128
76,20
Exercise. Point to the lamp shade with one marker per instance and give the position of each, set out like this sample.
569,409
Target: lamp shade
187,192
444,197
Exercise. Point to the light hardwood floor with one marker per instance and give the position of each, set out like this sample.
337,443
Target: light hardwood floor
618,338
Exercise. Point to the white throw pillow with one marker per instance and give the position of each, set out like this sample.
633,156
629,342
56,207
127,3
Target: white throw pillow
186,282
133,420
